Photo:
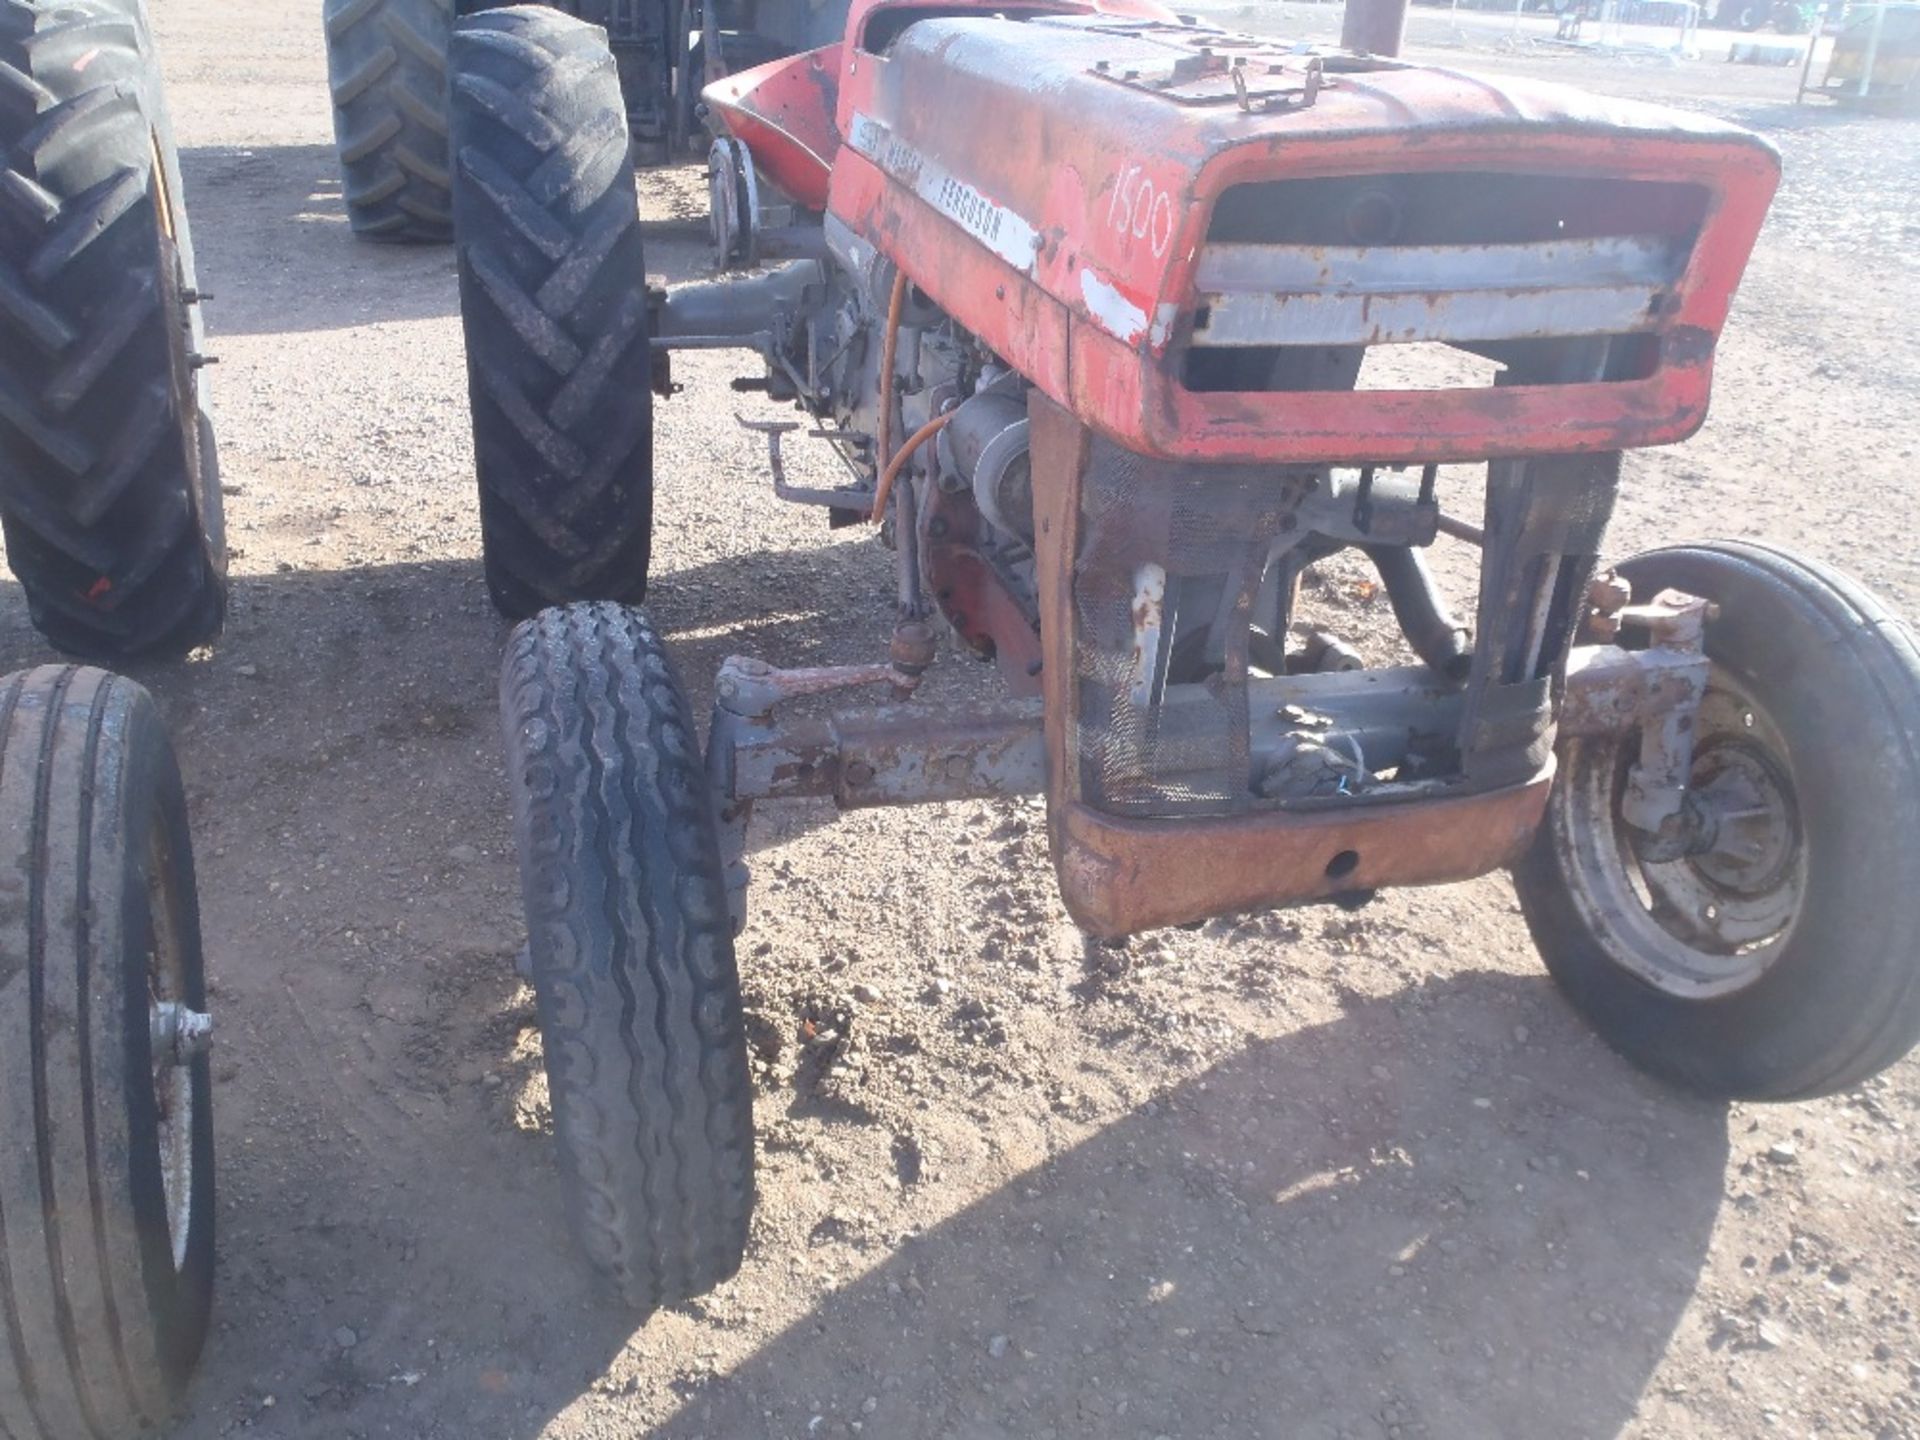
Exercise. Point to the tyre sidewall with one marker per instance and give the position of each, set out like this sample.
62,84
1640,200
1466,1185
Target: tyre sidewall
141,801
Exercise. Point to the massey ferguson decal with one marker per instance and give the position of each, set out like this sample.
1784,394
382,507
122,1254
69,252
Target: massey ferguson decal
1006,234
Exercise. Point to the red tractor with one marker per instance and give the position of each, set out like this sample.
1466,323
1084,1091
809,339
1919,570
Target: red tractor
1107,373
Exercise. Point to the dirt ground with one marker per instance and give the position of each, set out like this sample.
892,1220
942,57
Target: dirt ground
1317,1174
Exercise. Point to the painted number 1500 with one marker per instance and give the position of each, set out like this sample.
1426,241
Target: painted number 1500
1143,210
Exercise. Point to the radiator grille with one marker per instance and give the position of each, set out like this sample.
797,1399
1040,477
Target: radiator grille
1152,535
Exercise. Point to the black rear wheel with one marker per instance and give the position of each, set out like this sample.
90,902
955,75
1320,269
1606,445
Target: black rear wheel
553,303
1782,960
387,73
106,1120
630,944
109,487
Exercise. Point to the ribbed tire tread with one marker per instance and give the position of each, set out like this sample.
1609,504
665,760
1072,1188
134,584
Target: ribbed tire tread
631,948
98,1331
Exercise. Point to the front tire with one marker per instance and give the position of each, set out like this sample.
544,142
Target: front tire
106,1139
1784,961
109,486
553,303
631,949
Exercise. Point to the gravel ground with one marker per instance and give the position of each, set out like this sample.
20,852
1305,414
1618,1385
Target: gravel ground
1316,1174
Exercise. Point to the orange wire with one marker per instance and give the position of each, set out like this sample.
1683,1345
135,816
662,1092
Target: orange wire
884,491
883,453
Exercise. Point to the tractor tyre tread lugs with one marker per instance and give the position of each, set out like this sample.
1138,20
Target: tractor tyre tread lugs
630,944
554,306
109,488
387,73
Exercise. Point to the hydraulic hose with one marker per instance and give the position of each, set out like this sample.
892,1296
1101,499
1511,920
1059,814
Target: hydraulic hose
1435,635
883,452
884,490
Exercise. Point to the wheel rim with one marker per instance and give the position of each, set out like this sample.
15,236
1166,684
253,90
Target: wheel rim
171,1075
1708,924
182,354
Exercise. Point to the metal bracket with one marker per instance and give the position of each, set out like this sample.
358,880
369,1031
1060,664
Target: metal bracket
843,499
751,688
1655,798
747,692
1659,689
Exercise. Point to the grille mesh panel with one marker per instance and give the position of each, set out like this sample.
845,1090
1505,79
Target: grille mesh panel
1162,548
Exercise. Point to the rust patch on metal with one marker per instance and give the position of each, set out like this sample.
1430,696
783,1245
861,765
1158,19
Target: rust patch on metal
986,612
1118,877
894,755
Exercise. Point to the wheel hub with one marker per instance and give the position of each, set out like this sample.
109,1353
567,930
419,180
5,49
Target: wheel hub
1756,836
1708,915
178,1036
173,1107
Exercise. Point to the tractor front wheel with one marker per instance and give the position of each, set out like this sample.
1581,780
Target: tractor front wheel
630,945
1782,959
106,1120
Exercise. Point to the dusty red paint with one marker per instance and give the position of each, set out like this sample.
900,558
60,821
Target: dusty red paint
783,112
1119,877
984,610
1118,183
1056,208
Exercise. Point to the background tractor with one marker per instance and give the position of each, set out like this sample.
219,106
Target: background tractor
387,68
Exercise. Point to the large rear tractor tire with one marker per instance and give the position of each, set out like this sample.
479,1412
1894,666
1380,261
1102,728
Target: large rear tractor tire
1781,961
106,1120
630,945
553,302
387,71
109,484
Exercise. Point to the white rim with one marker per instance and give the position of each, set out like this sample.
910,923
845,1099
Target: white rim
172,1077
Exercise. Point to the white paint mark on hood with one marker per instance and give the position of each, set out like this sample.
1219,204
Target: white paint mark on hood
1111,310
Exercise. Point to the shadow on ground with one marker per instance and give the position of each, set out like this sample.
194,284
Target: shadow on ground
1818,113
275,214
1396,1218
1326,1234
